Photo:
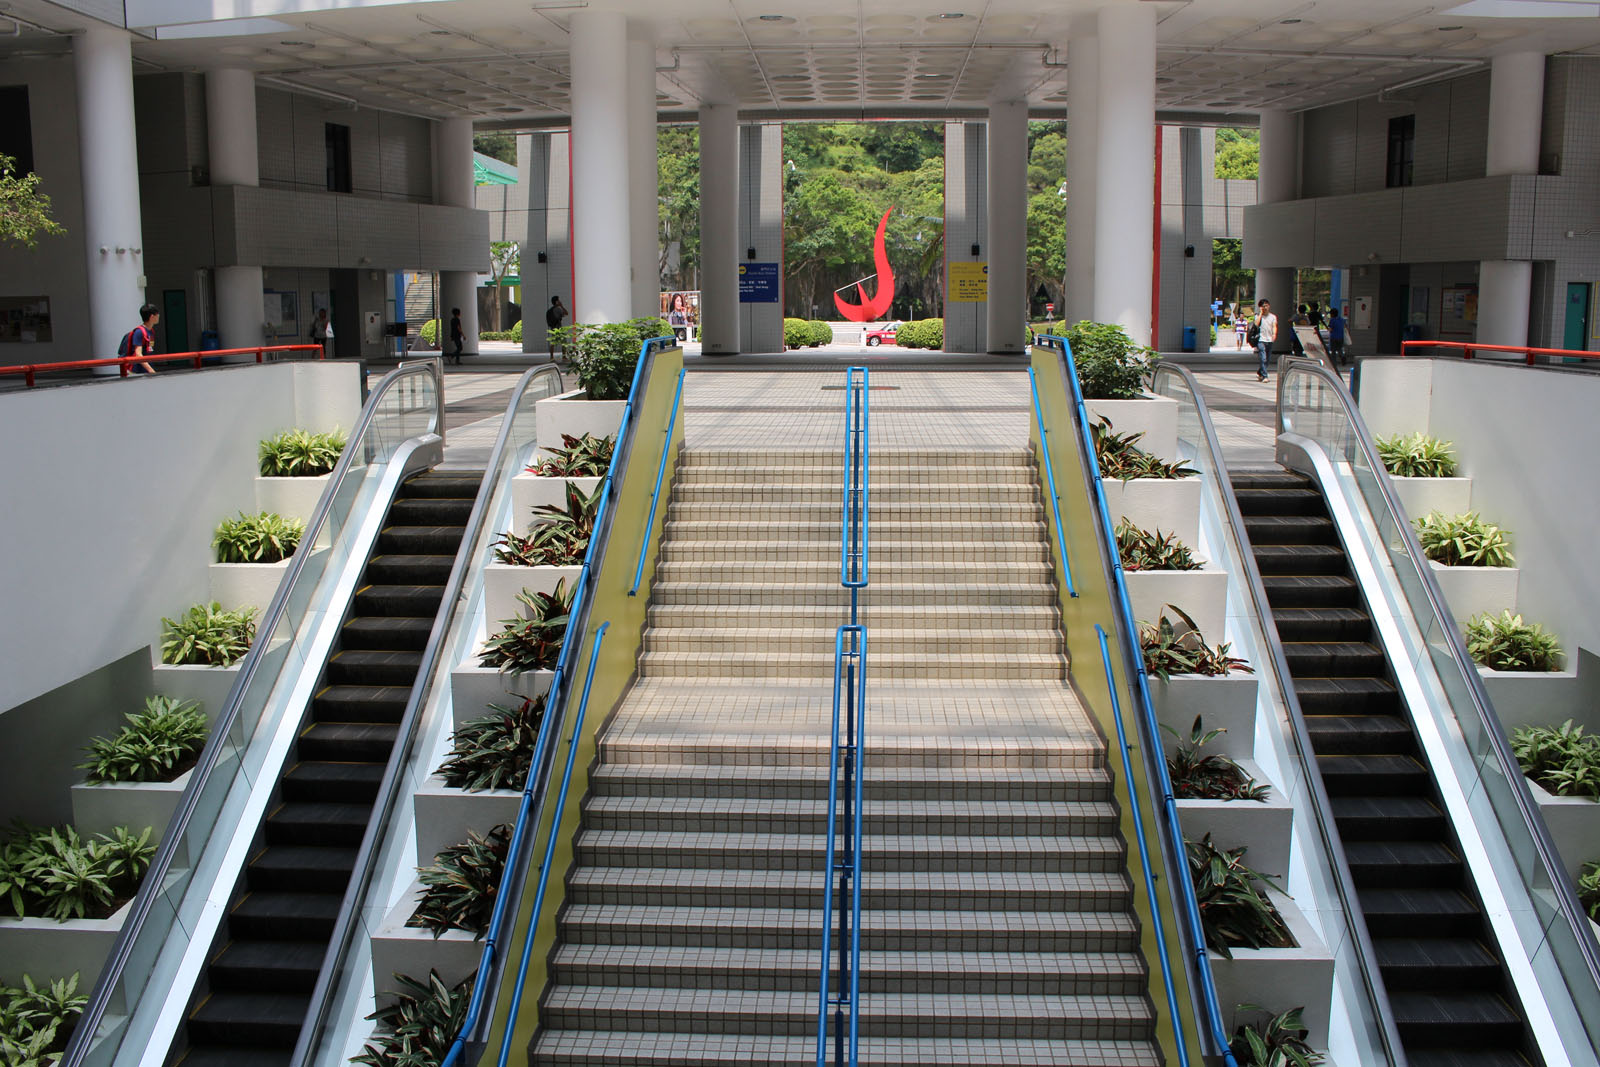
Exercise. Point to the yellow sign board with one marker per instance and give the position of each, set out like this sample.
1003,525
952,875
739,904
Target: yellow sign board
969,283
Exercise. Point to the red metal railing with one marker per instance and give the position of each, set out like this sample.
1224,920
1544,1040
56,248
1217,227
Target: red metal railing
1469,347
28,370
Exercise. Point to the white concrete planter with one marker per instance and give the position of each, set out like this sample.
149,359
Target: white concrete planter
503,581
293,498
444,815
1419,496
1154,416
1202,594
1280,978
474,688
571,413
1227,702
414,951
1539,698
237,585
1171,505
44,948
529,492
207,685
1474,590
98,809
1263,827
1574,824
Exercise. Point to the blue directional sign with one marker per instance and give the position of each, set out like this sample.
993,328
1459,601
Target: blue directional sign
758,283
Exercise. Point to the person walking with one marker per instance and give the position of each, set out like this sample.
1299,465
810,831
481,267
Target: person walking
456,336
1241,326
1336,337
141,340
552,322
1266,330
322,333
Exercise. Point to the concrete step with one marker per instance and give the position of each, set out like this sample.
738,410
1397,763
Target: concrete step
672,817
977,532
833,473
766,512
884,783
737,493
1042,640
955,570
767,745
826,553
589,1048
755,851
910,666
930,619
824,593
881,457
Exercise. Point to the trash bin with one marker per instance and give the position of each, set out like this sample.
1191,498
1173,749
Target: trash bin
1188,338
209,341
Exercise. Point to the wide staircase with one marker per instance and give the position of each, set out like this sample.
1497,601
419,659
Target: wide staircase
997,920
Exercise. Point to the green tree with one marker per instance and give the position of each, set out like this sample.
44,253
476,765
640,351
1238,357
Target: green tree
1230,281
505,258
1238,153
1047,210
828,226
678,195
24,210
501,146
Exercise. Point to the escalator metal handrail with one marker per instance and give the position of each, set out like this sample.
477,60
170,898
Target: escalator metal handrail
1321,806
161,863
346,924
531,807
1482,707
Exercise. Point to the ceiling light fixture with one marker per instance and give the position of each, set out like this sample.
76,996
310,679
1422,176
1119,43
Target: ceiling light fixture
772,18
294,44
1450,29
953,15
1291,22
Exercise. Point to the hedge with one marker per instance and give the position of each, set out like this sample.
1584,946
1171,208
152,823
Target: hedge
924,333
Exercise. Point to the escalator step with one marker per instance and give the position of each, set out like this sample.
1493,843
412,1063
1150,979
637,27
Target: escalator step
348,741
249,1020
297,916
1274,501
1402,864
268,966
1300,559
400,568
1452,963
1311,591
1322,624
1466,1057
1419,912
346,782
1269,478
420,540
391,601
1355,775
232,1057
1358,735
1387,818
1348,696
361,666
361,703
430,511
459,484
1266,530
318,824
1334,659
408,634
1454,1019
301,869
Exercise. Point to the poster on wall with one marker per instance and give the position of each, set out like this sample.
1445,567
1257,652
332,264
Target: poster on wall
1362,319
279,313
969,282
25,319
1458,310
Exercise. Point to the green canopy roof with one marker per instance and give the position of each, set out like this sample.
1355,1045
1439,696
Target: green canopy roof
486,170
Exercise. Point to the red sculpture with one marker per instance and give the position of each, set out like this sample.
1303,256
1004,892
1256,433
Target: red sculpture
872,308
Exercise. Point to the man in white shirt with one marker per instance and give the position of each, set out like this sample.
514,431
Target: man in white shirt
1267,325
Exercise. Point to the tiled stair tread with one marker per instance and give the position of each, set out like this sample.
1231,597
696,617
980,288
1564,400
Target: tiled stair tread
882,965
832,474
932,663
881,637
649,779
589,1047
932,618
823,592
799,808
796,553
1109,888
625,916
885,454
734,568
922,851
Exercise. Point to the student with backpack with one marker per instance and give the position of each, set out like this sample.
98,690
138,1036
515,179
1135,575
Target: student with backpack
141,340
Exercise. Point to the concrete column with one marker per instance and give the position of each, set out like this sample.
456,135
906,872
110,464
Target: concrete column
600,204
1008,226
644,211
1125,167
453,187
231,136
761,228
549,235
719,228
1083,90
966,229
113,237
1516,114
1278,181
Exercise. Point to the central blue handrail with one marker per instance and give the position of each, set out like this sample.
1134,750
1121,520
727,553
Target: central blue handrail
655,495
855,545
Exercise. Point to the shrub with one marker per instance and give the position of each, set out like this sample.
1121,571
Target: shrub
923,333
796,333
578,457
605,355
158,744
1279,1041
420,1026
1589,889
818,333
1118,456
1168,650
207,636
263,538
1110,366
1142,550
495,751
1213,777
516,331
462,882
533,643
301,453
561,538
1417,456
430,333
1234,909
36,1020
1463,540
1563,759
1506,643
53,873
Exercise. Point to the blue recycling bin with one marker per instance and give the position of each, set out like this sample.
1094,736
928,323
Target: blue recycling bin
209,342
1188,338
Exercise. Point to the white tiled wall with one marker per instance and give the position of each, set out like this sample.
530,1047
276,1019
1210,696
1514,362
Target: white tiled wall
761,228
966,197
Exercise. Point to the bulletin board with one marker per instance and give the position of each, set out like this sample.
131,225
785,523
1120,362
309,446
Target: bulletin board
1458,311
280,314
25,319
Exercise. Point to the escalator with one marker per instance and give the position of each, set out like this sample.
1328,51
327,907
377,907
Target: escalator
258,982
1449,990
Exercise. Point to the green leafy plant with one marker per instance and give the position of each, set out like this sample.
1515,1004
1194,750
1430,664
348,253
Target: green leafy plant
578,457
1118,456
52,872
429,332
1142,550
495,751
1417,455
158,744
604,355
419,1027
36,1020
533,643
1274,1041
301,453
1169,649
1110,366
796,333
1234,909
818,333
1563,759
208,636
1505,643
1208,777
462,882
263,538
560,537
1463,540
1589,889
923,333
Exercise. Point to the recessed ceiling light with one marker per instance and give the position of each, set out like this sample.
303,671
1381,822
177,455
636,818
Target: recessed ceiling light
1448,29
1289,22
295,44
953,15
438,33
1279,85
774,18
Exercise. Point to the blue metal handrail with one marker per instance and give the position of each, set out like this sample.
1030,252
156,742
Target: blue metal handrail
1150,730
855,545
655,495
1050,479
849,681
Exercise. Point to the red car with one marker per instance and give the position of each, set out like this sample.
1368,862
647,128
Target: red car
882,335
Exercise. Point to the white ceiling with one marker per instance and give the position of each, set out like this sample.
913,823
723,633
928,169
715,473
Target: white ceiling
504,62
